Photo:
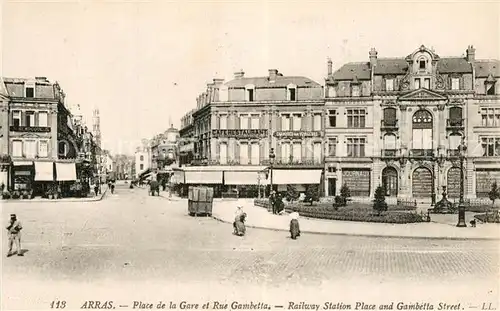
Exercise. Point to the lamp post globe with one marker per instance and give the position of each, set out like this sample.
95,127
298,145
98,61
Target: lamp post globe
462,149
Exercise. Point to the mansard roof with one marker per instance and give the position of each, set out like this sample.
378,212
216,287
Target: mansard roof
281,81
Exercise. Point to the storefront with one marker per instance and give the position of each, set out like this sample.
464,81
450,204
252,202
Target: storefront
357,180
66,177
22,175
44,177
297,177
485,177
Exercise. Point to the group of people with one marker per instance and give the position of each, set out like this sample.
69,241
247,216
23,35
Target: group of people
239,228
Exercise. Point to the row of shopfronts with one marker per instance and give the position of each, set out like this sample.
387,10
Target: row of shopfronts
40,176
411,180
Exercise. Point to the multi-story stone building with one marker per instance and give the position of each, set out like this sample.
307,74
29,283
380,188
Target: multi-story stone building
236,124
142,161
398,122
37,135
186,139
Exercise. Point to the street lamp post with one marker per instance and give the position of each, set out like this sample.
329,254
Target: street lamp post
271,162
462,148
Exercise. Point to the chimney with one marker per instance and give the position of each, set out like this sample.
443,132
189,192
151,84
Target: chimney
42,79
373,57
239,74
471,54
330,64
273,73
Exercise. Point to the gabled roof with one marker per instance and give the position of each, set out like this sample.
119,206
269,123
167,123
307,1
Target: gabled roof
281,81
454,65
486,67
351,70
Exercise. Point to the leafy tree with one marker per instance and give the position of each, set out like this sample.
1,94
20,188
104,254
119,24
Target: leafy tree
379,204
291,193
312,193
345,192
494,193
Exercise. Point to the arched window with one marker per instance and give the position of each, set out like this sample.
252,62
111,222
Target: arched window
422,131
142,158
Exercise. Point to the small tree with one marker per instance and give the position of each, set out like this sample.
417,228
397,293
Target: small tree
291,193
345,193
494,193
312,193
379,204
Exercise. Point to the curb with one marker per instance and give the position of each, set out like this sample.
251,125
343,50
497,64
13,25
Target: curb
367,235
75,200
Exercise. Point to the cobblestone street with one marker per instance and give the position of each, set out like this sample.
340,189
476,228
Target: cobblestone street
132,238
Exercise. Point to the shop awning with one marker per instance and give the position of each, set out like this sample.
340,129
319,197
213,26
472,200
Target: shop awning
283,177
66,171
22,163
244,178
203,177
44,171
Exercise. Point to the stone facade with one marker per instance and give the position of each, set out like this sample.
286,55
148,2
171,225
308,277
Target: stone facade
402,120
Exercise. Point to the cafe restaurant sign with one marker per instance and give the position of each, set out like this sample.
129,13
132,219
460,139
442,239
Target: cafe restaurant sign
297,134
253,133
32,129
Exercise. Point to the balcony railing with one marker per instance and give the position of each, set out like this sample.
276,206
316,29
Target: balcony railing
32,129
307,161
421,152
386,125
453,153
389,153
454,124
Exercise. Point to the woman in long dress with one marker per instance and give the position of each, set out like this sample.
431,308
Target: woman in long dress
294,225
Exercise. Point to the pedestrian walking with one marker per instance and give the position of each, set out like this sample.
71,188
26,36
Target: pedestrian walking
294,225
2,187
239,225
14,232
96,190
272,201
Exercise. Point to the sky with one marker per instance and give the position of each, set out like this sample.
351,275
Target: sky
143,63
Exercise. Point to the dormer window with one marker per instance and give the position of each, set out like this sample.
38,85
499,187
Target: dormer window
422,64
223,93
490,89
389,85
455,83
355,91
250,92
291,92
29,90
332,92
